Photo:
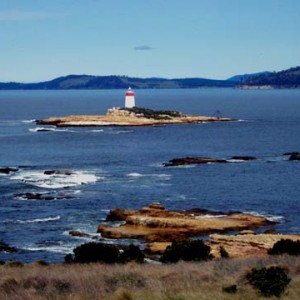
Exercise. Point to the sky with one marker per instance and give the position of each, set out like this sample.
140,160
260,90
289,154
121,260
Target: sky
42,39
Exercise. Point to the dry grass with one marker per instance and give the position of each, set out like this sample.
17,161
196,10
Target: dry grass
132,281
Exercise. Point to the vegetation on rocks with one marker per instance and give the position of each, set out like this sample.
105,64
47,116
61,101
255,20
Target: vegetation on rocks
105,253
187,250
285,246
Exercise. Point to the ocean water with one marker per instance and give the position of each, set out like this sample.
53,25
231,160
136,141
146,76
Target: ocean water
123,166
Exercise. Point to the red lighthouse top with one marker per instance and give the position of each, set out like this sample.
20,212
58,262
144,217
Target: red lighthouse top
130,92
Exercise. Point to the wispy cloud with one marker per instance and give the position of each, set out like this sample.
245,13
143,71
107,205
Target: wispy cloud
16,15
143,48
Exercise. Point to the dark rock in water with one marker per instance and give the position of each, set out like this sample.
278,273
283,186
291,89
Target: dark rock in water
57,172
192,160
244,157
78,233
39,196
290,153
6,248
294,156
7,170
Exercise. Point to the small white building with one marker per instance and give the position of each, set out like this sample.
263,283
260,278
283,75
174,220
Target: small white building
129,98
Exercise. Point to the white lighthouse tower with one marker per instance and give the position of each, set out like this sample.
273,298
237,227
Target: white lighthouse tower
129,98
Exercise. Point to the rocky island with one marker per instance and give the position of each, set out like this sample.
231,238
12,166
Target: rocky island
134,116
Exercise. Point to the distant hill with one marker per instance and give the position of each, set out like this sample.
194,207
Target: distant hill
244,77
115,82
289,78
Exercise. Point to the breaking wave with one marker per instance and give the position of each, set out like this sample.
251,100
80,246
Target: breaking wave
44,220
29,121
41,129
55,180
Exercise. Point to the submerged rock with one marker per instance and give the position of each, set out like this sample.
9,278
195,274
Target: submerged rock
6,248
39,196
244,157
192,160
58,172
294,156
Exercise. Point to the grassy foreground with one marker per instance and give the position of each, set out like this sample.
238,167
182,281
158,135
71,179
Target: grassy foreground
202,280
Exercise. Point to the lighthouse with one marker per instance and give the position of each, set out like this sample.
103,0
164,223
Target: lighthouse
129,98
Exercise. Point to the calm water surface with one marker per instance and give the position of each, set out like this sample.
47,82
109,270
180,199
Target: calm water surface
122,167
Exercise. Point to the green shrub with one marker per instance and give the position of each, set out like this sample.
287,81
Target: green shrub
188,250
285,247
96,252
132,253
99,252
269,281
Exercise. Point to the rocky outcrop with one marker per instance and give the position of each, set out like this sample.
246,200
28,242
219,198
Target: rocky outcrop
156,224
136,117
246,244
7,170
192,160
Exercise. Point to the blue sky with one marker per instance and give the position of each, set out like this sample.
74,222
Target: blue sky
42,39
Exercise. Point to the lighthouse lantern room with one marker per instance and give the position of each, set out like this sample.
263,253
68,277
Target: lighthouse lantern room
129,98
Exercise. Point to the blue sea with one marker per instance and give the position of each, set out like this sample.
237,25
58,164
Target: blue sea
123,166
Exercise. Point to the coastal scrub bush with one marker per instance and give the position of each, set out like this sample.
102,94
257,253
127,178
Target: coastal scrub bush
132,253
100,252
188,250
269,281
285,246
96,252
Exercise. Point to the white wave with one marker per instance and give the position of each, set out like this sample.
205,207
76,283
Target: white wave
97,130
55,181
235,160
163,176
121,131
41,129
55,249
50,219
208,216
29,121
271,218
135,175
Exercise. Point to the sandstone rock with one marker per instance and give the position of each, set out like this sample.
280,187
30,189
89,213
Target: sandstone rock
244,245
78,233
192,160
160,225
244,232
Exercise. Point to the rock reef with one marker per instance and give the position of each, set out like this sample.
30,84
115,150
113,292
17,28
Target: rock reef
156,224
130,117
